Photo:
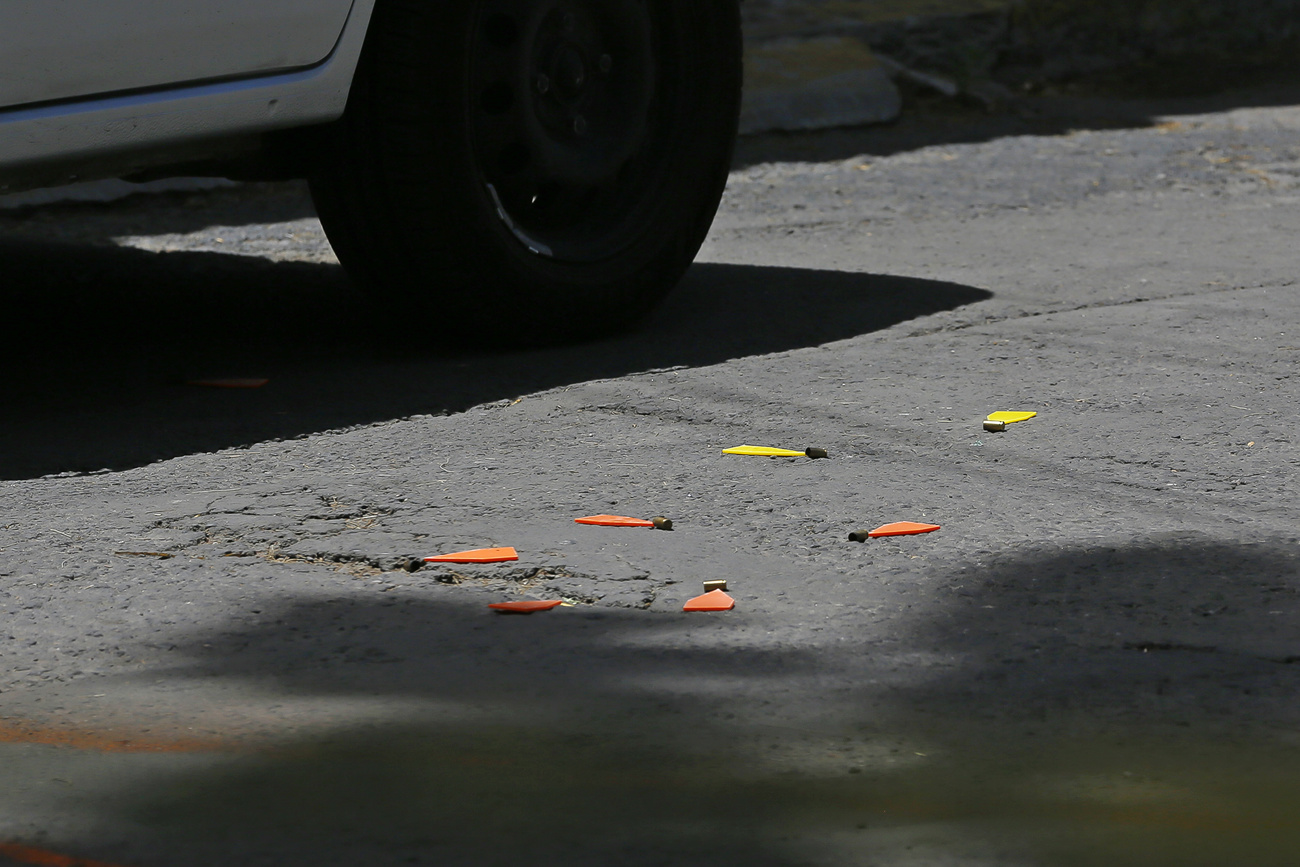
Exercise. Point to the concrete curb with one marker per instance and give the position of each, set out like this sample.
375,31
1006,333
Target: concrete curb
808,64
824,81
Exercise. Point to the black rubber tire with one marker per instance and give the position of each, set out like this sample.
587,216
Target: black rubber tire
404,186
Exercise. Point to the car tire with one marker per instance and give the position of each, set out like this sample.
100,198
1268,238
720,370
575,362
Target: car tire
527,171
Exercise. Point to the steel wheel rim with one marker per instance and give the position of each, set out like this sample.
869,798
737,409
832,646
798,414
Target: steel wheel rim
566,99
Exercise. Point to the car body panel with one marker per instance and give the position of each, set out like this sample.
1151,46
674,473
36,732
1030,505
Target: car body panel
50,144
68,49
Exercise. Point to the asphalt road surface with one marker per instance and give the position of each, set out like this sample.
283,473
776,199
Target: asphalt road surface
220,647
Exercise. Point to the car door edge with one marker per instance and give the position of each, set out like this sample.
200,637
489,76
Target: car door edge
44,145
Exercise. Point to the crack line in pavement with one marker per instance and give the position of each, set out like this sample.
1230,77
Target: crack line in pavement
990,320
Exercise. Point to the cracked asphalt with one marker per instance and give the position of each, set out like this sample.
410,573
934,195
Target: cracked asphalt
220,645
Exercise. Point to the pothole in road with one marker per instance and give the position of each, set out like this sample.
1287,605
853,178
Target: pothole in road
638,591
359,566
281,541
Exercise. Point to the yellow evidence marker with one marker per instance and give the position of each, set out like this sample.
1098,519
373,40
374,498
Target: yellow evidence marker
1009,417
763,452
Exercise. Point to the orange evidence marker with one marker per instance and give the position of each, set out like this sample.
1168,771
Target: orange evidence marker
902,528
714,600
527,606
613,521
478,555
230,383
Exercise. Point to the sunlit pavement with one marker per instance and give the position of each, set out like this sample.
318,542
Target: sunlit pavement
1093,662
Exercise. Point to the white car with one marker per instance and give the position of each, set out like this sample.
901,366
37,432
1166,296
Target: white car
547,168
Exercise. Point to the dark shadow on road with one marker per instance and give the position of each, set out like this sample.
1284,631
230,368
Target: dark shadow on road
929,121
1125,703
1099,705
108,337
152,214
